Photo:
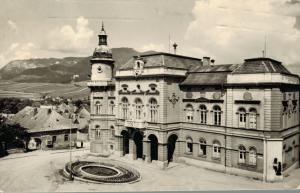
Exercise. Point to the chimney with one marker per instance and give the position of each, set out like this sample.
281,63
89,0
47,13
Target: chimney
206,61
175,47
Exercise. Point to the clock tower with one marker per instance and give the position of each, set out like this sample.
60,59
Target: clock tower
102,62
102,95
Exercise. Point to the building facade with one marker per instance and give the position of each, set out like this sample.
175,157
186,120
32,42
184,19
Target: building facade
236,118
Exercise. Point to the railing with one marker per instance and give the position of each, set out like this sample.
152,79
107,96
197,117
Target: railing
99,83
135,123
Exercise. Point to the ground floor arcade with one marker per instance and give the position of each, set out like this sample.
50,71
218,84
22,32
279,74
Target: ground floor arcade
140,144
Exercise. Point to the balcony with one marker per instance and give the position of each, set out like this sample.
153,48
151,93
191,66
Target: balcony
140,124
99,83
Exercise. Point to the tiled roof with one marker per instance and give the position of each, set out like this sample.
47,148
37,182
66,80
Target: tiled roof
209,74
261,65
214,68
41,119
205,78
164,60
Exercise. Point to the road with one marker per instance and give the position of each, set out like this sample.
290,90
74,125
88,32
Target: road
39,171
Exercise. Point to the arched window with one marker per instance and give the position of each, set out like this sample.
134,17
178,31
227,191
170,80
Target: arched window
252,156
202,147
125,105
242,117
98,107
189,145
153,110
203,114
216,149
252,118
189,113
111,107
217,115
242,154
138,108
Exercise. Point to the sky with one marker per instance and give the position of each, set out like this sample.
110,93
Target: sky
227,30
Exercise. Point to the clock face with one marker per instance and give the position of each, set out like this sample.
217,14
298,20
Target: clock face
99,69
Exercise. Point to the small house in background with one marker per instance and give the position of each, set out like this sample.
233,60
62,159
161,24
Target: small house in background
83,121
66,110
48,129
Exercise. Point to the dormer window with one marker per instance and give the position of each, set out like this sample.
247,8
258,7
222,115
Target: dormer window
138,66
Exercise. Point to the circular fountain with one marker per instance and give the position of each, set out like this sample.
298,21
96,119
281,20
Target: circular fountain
101,172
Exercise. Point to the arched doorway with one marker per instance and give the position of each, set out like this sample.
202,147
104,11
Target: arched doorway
125,142
171,146
153,147
138,140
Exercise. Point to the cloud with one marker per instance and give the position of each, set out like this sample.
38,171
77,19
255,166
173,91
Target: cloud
17,51
231,31
152,47
293,2
12,25
69,39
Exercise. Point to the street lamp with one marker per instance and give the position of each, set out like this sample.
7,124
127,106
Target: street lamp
70,144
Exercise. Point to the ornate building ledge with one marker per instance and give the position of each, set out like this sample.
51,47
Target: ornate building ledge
99,83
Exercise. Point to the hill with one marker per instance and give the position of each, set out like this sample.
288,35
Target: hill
58,70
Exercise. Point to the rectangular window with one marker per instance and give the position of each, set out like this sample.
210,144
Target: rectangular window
203,117
98,109
252,121
202,150
252,158
189,147
53,139
242,157
216,151
242,120
217,118
66,137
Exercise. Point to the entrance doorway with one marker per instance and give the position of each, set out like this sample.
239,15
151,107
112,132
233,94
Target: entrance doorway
171,146
125,135
138,140
153,147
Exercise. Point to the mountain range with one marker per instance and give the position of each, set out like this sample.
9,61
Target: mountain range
59,70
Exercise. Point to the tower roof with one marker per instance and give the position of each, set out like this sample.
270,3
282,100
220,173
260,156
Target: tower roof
102,32
102,50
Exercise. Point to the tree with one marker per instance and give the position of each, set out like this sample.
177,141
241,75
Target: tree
78,103
12,136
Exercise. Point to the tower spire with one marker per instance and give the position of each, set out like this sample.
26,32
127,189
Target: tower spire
102,27
102,36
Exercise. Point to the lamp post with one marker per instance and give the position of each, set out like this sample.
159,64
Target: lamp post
70,144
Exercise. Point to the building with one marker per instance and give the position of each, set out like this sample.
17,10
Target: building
236,118
47,128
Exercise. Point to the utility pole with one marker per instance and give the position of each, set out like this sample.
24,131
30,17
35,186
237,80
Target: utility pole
70,144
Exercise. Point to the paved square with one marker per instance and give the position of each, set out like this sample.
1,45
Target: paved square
39,171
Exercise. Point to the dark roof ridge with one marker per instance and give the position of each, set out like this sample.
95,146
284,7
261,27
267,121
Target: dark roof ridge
262,58
169,54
